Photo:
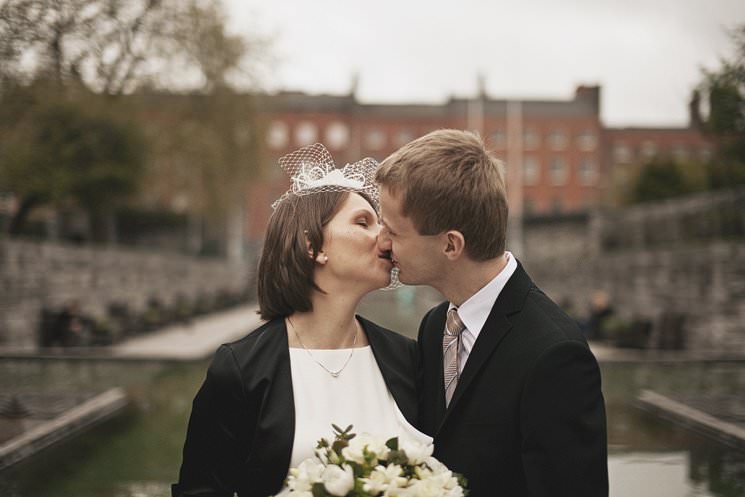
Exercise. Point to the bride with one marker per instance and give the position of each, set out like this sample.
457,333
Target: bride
268,397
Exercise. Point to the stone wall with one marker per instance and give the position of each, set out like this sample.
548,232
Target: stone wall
37,275
683,256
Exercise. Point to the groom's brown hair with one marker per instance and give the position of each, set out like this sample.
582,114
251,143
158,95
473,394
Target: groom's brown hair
447,180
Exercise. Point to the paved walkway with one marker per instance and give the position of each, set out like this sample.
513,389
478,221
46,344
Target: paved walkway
194,341
200,338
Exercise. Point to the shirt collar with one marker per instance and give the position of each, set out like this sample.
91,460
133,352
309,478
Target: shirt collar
475,311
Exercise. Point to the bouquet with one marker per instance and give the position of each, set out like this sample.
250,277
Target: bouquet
370,466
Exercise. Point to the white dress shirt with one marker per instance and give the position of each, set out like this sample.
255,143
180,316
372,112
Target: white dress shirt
474,311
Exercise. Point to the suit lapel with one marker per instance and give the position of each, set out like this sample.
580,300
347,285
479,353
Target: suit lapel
433,356
496,327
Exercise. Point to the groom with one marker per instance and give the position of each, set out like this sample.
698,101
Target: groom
508,386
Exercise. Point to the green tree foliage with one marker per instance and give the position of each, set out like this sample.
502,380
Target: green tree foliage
59,54
665,178
56,152
724,91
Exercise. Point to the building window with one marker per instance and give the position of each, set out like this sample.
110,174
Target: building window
531,139
622,154
558,171
337,135
499,139
649,150
531,171
557,139
679,153
306,133
403,136
587,140
374,139
278,135
587,172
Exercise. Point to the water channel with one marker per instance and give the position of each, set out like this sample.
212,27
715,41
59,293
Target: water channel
138,453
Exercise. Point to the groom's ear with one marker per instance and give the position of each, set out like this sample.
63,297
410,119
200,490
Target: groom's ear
455,244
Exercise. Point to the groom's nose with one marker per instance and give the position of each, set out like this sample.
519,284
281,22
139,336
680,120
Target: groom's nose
384,241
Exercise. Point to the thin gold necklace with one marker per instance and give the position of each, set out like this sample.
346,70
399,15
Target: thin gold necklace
334,373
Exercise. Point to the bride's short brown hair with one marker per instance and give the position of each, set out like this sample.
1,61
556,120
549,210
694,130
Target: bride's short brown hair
285,279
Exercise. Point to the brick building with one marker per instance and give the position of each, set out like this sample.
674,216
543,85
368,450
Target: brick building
569,160
628,149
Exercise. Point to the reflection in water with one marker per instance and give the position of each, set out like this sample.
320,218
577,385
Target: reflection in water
138,453
650,474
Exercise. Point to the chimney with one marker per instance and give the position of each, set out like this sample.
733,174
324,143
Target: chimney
590,95
694,111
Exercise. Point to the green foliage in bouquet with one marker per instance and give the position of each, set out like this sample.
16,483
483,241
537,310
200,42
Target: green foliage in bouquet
370,466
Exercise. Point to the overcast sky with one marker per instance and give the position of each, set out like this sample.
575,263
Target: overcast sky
646,54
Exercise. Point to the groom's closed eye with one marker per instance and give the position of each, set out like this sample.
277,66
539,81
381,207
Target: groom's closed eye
387,229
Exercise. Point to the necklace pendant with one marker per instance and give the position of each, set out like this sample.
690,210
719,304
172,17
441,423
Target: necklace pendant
335,374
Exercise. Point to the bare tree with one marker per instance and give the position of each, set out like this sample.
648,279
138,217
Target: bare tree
112,46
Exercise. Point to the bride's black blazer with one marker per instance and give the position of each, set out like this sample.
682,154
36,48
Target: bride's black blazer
242,423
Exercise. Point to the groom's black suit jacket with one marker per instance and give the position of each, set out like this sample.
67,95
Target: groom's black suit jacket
527,417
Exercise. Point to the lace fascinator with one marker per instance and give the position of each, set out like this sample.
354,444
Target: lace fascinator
312,170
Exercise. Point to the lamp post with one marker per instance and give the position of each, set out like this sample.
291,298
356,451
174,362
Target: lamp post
515,176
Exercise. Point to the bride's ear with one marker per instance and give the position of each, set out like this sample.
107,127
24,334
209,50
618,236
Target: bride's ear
321,257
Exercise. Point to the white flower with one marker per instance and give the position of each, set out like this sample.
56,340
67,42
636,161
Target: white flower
375,445
384,478
435,465
416,453
303,477
424,488
456,491
338,481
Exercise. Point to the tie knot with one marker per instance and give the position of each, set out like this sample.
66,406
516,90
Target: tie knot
453,325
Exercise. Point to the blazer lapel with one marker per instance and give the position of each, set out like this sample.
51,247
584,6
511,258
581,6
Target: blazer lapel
400,384
272,378
497,326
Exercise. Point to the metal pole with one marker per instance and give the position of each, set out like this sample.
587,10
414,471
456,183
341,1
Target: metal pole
515,177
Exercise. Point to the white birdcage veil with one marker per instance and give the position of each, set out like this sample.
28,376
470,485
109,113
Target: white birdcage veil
312,170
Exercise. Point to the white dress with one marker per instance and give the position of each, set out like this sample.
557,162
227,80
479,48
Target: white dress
358,396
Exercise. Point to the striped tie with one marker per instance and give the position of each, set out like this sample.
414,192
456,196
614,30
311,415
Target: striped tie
451,344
